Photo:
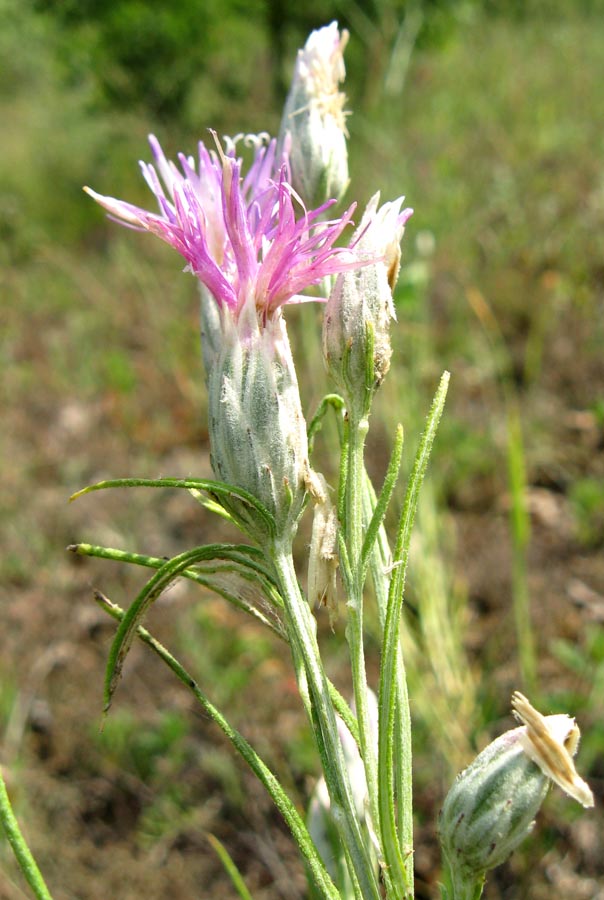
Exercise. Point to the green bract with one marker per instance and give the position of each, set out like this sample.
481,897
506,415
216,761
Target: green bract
257,429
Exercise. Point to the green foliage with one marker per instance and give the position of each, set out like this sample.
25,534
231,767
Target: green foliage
154,56
159,753
143,748
53,142
162,57
587,496
232,654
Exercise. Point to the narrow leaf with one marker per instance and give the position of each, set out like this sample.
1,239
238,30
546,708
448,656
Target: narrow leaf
333,401
243,559
151,591
400,867
213,488
23,855
383,500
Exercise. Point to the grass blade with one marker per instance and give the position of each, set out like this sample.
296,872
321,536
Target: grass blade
229,866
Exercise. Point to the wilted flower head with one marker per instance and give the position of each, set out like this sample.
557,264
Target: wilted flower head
356,330
314,117
247,239
551,742
492,804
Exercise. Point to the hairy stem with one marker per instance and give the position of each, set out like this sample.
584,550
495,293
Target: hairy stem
323,720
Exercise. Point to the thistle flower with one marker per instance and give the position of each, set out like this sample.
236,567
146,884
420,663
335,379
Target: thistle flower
492,804
356,328
254,247
239,235
315,120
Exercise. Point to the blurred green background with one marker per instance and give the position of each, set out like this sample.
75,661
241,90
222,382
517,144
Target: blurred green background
488,116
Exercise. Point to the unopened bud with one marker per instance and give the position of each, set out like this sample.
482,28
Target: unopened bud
491,807
315,120
356,327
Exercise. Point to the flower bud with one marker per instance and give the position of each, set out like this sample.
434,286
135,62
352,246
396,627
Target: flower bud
257,429
315,121
356,327
492,804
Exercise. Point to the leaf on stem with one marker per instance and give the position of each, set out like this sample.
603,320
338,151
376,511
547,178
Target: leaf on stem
321,879
241,579
215,489
333,401
164,576
383,501
397,857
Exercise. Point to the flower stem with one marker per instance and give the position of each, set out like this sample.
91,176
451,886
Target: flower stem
303,639
467,887
353,530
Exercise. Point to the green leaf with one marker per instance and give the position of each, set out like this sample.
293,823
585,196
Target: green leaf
383,500
165,575
294,821
216,490
23,855
244,561
401,869
333,401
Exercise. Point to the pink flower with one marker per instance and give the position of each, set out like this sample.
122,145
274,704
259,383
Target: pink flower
244,237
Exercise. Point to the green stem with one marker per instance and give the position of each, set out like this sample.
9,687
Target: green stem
323,882
379,562
353,530
468,887
23,854
304,645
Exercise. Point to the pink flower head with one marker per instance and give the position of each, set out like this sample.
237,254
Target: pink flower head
243,237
